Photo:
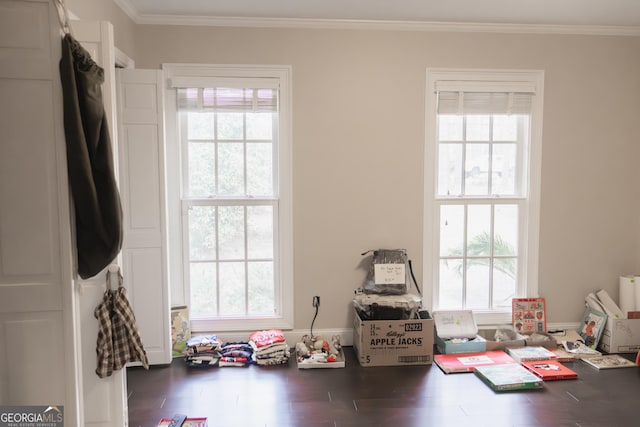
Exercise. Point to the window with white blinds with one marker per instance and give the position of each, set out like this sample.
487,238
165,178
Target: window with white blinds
233,135
481,189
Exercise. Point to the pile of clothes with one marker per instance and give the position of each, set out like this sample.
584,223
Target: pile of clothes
269,347
266,347
208,350
236,354
203,350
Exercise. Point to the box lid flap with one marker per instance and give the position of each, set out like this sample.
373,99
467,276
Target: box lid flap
455,324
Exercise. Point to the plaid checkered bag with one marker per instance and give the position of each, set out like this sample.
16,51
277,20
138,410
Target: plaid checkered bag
118,337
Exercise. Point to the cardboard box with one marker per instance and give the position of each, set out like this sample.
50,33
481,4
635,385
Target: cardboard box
393,342
458,345
457,332
541,339
620,336
455,324
492,344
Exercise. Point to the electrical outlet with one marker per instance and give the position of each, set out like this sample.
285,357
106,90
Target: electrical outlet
316,301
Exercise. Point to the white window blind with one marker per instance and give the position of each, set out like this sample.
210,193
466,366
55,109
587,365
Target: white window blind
450,102
227,99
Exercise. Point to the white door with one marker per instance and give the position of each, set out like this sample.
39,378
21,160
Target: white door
142,188
105,399
38,330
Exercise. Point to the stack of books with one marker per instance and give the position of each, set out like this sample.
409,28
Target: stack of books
519,368
527,354
508,377
609,361
466,362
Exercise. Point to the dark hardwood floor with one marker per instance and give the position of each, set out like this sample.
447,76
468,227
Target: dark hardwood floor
406,396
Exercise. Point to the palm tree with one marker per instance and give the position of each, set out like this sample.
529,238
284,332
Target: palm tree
479,250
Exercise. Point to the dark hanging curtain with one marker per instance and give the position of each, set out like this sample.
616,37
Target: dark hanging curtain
96,201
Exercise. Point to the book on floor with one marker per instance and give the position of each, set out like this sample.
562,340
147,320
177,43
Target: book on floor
508,377
609,361
549,370
527,353
577,349
187,422
593,324
466,362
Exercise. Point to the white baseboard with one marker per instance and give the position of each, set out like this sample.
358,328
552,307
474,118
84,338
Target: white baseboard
346,334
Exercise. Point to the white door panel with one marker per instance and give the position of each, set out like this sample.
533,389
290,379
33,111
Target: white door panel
105,399
143,202
38,329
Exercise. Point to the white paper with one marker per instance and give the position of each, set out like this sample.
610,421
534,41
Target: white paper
610,307
389,274
627,294
636,305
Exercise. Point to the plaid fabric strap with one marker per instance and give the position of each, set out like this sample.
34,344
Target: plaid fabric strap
104,348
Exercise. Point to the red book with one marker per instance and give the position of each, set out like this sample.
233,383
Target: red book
465,362
550,370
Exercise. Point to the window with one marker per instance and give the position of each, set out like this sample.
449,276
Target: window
234,224
482,189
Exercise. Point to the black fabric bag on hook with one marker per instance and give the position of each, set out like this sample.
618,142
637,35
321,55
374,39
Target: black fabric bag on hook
90,166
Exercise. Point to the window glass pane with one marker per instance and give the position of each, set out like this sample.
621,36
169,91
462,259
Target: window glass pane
259,126
449,169
505,230
260,232
479,230
504,169
478,283
476,169
202,233
261,288
477,127
231,169
231,232
202,161
450,287
200,126
504,282
449,127
232,285
230,126
202,277
451,230
505,127
260,169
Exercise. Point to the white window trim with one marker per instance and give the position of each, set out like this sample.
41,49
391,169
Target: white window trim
534,81
180,292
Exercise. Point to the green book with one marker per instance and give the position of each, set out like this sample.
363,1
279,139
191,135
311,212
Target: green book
508,377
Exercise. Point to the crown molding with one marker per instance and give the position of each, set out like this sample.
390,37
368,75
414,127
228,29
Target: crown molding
129,10
343,24
351,24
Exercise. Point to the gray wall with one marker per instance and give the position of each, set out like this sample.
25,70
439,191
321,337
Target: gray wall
358,147
101,10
